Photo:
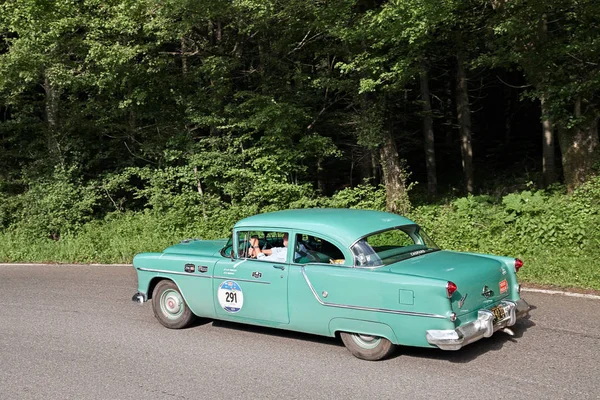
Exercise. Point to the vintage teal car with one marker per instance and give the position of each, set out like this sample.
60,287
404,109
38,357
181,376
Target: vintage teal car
373,278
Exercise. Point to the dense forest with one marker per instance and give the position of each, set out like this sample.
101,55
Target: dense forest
197,111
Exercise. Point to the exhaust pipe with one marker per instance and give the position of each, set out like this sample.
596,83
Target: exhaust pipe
508,331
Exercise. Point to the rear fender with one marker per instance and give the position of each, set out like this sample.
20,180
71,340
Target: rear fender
337,325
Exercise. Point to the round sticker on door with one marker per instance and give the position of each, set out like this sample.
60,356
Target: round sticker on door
230,296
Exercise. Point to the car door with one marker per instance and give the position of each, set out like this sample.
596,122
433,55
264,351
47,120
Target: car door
252,289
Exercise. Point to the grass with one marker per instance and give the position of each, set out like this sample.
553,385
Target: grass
119,239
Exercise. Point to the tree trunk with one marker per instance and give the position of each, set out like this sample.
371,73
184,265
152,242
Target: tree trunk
548,165
374,175
184,59
463,110
428,135
321,186
51,111
200,191
51,102
393,175
579,148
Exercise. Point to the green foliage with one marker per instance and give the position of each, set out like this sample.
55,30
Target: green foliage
53,207
128,124
555,234
556,44
363,196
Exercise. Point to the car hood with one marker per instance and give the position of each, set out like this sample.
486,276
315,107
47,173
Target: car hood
197,247
470,272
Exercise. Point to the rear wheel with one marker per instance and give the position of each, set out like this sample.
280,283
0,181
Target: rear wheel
367,347
169,306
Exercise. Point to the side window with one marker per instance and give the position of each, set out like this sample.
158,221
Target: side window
313,249
262,245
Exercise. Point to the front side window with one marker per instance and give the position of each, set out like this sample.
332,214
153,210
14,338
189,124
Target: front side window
263,245
387,247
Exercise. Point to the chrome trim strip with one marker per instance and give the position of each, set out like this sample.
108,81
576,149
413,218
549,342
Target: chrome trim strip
361,308
161,271
230,278
233,278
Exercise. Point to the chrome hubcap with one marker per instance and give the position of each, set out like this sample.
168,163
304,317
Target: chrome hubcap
171,304
366,341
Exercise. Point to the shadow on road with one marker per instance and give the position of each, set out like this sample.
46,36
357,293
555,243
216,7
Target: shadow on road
466,354
473,350
277,332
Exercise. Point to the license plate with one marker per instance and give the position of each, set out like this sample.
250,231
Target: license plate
499,313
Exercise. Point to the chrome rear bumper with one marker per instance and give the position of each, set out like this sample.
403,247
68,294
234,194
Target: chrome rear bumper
483,326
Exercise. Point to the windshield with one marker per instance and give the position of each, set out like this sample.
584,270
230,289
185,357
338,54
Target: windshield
387,247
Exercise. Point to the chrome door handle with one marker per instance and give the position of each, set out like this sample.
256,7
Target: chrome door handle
281,267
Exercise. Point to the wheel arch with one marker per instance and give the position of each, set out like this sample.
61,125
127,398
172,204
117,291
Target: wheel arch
152,284
154,281
337,325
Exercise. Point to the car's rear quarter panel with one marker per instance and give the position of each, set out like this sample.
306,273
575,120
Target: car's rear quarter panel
398,307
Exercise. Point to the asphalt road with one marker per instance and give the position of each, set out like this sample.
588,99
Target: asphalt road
72,332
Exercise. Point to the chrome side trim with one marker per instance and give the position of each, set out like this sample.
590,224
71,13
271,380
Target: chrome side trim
361,308
162,271
233,278
230,278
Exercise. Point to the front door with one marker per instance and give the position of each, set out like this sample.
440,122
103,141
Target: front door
254,289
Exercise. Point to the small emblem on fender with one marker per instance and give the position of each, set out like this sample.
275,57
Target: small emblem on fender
487,292
461,302
189,268
256,274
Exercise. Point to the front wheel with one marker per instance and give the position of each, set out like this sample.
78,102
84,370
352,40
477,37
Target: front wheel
367,347
169,306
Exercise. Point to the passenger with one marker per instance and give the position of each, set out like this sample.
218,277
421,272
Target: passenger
277,254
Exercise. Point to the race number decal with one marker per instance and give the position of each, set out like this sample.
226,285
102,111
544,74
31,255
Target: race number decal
230,296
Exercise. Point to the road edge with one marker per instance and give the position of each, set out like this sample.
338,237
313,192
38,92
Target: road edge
561,293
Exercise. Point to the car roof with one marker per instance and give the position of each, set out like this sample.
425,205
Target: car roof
345,225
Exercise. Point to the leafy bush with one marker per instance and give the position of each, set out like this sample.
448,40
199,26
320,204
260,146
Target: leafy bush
53,207
363,196
555,234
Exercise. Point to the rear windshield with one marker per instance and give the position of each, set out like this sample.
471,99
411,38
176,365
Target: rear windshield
387,247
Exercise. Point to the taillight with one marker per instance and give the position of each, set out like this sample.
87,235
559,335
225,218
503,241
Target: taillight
518,264
450,288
